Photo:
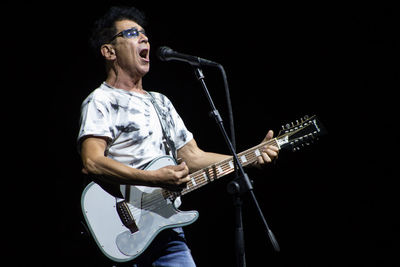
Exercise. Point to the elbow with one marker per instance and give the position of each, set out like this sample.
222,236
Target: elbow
90,166
92,155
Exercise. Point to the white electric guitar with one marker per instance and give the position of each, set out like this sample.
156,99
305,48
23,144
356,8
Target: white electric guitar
124,227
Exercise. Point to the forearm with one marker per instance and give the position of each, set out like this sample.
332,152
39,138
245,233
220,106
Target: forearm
197,159
205,159
111,171
95,163
116,172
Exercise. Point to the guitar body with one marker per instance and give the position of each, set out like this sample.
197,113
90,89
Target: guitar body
151,210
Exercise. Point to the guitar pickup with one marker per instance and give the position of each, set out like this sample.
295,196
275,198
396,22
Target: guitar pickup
126,216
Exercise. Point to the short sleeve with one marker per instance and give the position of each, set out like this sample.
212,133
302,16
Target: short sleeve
95,120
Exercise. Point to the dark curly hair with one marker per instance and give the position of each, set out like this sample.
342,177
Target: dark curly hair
104,28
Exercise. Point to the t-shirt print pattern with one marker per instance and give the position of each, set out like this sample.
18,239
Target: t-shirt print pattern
131,125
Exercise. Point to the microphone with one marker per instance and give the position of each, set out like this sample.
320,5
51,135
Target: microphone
165,53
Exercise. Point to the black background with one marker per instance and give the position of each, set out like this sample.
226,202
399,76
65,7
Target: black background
334,203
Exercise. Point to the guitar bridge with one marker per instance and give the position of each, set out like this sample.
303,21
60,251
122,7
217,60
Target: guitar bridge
126,216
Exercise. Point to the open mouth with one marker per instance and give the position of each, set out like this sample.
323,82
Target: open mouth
144,54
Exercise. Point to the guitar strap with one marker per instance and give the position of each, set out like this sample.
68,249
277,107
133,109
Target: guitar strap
168,144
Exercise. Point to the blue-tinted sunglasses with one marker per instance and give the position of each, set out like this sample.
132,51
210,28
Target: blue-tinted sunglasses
129,33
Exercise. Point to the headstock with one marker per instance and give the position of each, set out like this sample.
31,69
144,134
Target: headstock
301,133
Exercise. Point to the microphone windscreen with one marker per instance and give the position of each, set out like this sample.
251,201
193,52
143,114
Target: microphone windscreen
162,52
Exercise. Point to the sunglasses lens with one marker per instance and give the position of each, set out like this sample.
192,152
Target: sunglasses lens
131,33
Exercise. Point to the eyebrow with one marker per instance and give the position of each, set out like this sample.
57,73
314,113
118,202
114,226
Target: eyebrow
138,29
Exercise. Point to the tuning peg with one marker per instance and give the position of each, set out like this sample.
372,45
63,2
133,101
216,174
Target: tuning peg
295,148
305,117
287,126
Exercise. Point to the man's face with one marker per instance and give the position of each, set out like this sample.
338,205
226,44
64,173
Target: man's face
132,54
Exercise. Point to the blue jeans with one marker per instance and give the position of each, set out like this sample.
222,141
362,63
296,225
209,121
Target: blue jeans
167,249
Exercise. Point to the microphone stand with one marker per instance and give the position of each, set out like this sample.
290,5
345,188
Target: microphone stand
238,186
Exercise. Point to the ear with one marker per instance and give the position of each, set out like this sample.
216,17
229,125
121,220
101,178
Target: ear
108,52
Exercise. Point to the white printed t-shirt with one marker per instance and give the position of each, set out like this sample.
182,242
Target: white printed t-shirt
130,123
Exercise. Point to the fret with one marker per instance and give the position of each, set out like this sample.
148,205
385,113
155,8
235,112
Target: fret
213,172
220,170
231,164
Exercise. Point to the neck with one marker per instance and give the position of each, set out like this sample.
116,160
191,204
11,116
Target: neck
120,79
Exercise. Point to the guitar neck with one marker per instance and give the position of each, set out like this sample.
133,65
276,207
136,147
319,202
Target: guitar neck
294,135
220,169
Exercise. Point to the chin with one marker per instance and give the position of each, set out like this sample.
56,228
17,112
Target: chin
145,70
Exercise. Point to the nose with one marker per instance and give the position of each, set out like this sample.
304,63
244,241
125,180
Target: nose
143,38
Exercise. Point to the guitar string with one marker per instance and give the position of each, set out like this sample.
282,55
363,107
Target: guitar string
200,180
156,200
197,176
159,200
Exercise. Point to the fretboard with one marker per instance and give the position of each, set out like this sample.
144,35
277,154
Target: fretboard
220,169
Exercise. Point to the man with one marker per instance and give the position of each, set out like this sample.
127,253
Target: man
121,128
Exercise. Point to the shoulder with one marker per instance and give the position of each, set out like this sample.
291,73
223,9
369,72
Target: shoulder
159,96
161,99
101,95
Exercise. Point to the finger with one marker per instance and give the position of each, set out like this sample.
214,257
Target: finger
182,167
271,152
269,135
260,163
181,170
273,148
184,180
265,157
